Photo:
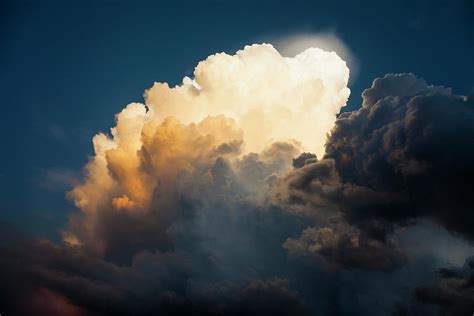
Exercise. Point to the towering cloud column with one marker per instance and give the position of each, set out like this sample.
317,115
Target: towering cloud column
234,105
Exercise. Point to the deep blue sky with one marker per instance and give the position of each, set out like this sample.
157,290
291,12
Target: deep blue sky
67,67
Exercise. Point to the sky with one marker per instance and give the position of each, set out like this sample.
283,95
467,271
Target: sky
68,67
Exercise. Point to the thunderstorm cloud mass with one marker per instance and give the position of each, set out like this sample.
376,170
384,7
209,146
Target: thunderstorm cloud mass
250,189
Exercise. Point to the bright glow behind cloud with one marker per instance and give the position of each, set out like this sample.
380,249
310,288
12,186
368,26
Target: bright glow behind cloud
328,41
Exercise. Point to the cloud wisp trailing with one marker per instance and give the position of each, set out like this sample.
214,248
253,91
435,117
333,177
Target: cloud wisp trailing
239,192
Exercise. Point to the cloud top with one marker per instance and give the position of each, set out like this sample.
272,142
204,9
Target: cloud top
269,96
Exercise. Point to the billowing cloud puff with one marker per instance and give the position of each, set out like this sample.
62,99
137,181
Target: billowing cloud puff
141,174
269,96
246,115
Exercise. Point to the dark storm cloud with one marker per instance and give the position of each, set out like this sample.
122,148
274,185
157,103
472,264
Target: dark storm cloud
174,283
412,141
318,191
347,247
405,154
303,159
